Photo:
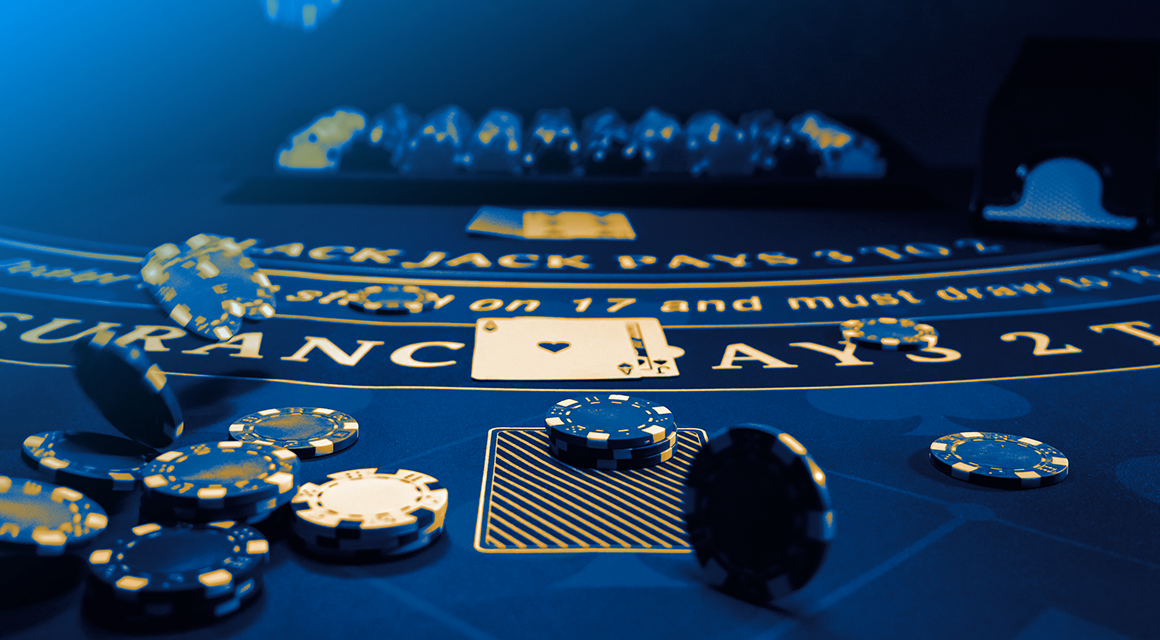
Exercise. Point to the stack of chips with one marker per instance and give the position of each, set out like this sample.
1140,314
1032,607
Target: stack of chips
367,514
208,482
176,575
610,432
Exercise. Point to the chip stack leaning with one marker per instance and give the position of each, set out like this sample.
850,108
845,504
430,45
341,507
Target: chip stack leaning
244,481
367,514
610,432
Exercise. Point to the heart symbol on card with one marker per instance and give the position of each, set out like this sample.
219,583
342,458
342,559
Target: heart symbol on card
554,347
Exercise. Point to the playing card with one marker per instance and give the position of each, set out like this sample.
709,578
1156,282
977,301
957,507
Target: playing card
553,349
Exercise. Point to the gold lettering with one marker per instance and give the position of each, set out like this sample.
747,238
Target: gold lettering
381,256
441,302
35,336
859,301
631,262
1134,328
559,262
886,251
23,317
979,246
671,306
682,259
884,299
619,303
332,350
951,294
487,304
909,297
323,253
293,250
1085,282
582,304
529,305
152,335
742,352
1041,343
812,303
304,296
927,250
512,261
735,261
948,355
776,259
248,345
477,259
1032,289
1001,292
432,259
703,305
405,356
846,357
752,303
832,255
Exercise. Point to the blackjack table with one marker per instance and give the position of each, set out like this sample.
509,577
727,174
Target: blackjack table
744,296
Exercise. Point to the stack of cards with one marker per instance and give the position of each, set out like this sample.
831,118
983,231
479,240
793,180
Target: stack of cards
532,348
610,432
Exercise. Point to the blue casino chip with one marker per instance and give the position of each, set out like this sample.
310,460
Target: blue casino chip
583,451
209,286
84,460
611,464
392,299
757,512
611,421
129,389
892,334
307,431
155,563
218,475
998,460
46,519
367,503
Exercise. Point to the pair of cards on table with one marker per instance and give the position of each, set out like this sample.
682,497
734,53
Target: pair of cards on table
572,349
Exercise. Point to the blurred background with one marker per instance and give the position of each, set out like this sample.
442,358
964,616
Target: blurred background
121,89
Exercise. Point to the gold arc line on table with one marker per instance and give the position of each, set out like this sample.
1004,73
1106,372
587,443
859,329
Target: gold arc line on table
401,387
1111,257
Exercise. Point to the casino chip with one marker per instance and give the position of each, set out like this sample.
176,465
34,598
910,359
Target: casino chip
209,286
181,575
610,464
614,454
307,431
998,460
88,461
220,475
129,390
392,299
45,519
609,422
757,512
369,504
890,333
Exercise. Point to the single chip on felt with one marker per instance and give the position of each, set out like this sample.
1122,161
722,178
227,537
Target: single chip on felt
892,334
998,460
129,389
209,286
392,299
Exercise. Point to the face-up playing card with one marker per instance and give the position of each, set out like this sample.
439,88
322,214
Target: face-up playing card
567,348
